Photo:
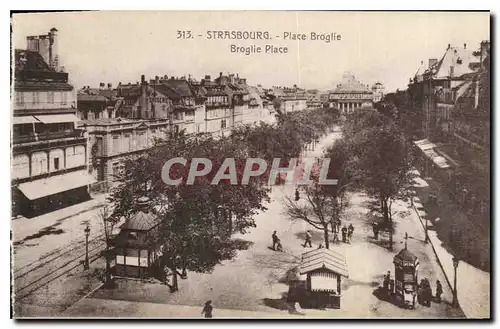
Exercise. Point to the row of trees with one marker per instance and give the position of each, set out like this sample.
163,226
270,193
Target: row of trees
197,221
373,156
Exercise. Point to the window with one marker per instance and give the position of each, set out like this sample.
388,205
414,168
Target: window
56,163
19,98
127,143
38,163
36,97
64,98
116,170
50,97
223,124
20,166
116,144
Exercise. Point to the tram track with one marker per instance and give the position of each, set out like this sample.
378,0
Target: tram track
56,253
44,273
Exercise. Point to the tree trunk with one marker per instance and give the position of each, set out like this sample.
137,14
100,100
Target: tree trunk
390,224
175,285
327,242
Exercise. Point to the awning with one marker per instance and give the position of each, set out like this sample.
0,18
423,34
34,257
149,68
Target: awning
55,184
424,144
440,162
24,120
57,118
322,281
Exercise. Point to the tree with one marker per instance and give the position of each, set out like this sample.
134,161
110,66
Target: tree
109,222
324,204
382,158
196,220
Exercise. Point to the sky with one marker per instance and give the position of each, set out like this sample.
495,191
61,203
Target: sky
119,46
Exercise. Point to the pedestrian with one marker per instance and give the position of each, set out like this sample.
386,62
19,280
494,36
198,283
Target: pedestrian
308,239
387,280
375,231
207,310
350,231
297,195
344,234
439,291
427,293
275,240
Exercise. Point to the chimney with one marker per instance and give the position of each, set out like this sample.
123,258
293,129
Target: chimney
157,79
207,78
449,46
110,85
465,46
101,85
220,75
189,77
53,49
452,71
143,98
432,61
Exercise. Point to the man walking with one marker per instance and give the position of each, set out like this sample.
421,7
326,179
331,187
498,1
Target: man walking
275,240
308,239
439,291
344,234
350,231
207,310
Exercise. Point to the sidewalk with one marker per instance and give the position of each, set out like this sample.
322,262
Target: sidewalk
22,227
473,285
91,307
52,233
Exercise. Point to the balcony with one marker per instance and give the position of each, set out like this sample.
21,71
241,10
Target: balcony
445,96
181,106
216,104
47,136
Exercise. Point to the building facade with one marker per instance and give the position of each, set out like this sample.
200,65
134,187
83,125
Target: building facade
111,141
49,153
350,94
378,90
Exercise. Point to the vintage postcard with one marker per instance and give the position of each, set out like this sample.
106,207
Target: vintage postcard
251,164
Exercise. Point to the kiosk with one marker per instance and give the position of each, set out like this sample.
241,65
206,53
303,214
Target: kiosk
406,278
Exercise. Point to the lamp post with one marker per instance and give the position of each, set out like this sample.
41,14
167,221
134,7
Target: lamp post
87,233
455,298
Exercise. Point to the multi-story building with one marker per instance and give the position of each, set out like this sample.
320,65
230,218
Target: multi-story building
219,112
289,99
435,89
188,108
235,88
98,103
350,94
49,164
114,139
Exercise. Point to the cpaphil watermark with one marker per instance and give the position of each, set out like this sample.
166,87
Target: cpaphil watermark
298,172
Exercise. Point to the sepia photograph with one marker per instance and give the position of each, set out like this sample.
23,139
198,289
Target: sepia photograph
250,165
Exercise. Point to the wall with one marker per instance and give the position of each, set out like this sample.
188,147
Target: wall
43,161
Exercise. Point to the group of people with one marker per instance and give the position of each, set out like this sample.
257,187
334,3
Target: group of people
347,232
425,292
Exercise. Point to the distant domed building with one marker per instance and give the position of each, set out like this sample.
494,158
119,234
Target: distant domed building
350,94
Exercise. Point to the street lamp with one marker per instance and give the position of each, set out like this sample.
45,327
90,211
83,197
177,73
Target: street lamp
87,233
455,298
